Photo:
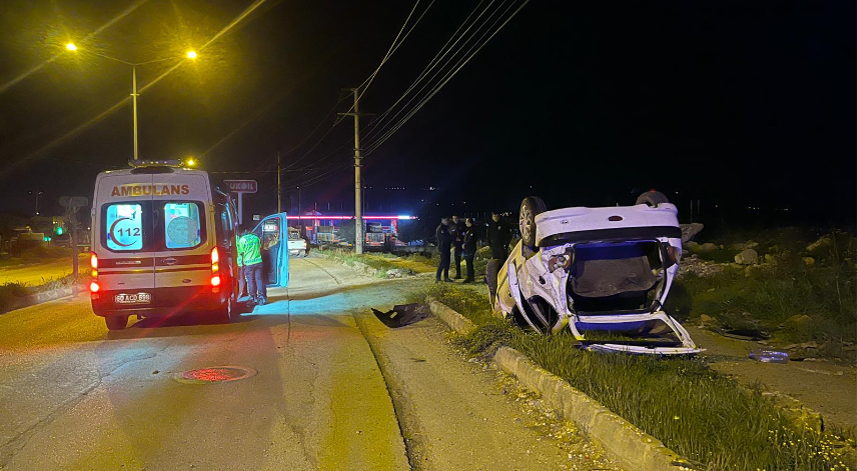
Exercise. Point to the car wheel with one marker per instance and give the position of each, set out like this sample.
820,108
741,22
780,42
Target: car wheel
117,322
531,207
652,198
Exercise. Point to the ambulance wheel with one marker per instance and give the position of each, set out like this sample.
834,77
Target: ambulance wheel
531,207
117,322
226,313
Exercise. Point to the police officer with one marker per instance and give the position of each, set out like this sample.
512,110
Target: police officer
444,243
252,258
456,230
471,236
498,236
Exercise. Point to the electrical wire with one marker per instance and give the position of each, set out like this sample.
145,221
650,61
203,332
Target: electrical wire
441,54
461,63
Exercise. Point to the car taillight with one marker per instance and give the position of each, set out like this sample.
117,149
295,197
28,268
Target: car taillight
93,287
215,280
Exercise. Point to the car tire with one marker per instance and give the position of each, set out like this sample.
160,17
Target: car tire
531,207
652,198
116,322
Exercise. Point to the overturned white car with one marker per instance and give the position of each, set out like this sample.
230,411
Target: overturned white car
604,273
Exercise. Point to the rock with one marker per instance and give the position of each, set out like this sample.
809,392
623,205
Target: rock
808,261
747,257
769,258
798,320
707,247
820,245
397,272
688,231
705,319
692,246
808,345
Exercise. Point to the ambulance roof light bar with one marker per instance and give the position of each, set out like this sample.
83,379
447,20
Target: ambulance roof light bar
155,163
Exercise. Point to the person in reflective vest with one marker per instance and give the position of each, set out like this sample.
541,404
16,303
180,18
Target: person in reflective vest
249,251
242,282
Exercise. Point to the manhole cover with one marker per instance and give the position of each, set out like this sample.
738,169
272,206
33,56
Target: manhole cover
215,374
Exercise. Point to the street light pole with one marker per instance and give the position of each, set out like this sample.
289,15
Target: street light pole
190,55
134,95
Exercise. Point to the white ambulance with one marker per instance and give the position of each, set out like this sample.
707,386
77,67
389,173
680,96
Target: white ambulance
163,244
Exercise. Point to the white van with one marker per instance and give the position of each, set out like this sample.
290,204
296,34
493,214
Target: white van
163,243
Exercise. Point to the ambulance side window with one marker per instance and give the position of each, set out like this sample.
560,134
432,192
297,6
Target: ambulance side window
123,228
182,227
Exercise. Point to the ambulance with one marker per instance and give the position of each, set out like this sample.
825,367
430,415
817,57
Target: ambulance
164,244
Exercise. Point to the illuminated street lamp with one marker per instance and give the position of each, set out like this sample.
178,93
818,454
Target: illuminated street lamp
190,55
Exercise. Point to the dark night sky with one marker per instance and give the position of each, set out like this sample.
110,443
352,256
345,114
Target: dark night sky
735,103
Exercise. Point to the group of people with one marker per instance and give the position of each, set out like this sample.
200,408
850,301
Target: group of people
250,272
457,239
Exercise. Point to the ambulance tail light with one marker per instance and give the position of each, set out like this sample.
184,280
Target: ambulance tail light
93,262
215,267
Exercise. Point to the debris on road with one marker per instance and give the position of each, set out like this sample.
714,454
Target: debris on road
402,315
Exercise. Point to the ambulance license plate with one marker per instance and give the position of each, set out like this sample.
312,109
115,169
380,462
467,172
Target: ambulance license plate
136,298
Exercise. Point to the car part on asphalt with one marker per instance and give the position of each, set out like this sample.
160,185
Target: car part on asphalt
402,315
597,269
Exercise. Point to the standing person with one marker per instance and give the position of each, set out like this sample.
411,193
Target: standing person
456,230
252,259
444,243
498,237
471,236
242,282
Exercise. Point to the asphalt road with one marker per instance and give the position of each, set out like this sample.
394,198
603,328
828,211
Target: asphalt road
334,389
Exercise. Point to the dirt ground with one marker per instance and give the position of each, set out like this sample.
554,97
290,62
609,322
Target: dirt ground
820,385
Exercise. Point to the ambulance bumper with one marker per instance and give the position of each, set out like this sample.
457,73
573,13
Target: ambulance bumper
161,301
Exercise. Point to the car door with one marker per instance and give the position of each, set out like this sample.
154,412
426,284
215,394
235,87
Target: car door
273,231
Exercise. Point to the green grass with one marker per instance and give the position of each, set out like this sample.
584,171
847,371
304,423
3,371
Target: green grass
12,293
703,415
379,262
770,296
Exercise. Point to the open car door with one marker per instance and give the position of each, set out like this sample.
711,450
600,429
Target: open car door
273,232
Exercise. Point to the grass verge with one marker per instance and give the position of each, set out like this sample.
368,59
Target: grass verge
703,415
12,294
381,262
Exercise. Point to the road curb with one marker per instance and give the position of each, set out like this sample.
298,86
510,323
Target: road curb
454,320
43,297
633,448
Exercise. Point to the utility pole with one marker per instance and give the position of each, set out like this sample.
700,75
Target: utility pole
134,94
358,182
279,189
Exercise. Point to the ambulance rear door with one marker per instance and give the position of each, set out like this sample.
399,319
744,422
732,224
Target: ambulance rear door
184,233
124,240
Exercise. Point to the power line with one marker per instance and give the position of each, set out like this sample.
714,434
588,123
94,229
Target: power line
451,73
